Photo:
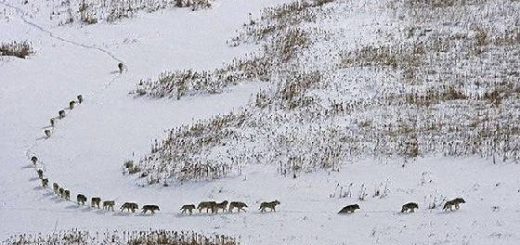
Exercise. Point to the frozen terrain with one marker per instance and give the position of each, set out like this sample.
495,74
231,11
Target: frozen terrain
87,148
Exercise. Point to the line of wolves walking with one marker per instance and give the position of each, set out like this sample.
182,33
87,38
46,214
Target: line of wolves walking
72,104
208,206
409,207
61,115
226,206
211,206
108,205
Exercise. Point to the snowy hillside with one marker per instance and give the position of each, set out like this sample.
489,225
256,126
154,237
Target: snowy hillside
318,104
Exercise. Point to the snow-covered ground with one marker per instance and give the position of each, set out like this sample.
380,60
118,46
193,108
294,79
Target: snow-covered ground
87,148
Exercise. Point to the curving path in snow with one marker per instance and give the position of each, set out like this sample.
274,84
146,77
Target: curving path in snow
88,146
86,152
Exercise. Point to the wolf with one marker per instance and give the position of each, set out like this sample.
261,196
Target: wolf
34,160
209,205
40,173
61,114
61,192
187,207
72,103
130,206
81,199
453,203
238,205
151,208
80,99
66,194
56,188
121,67
458,201
270,205
222,205
45,183
47,133
349,209
95,201
53,122
109,205
411,206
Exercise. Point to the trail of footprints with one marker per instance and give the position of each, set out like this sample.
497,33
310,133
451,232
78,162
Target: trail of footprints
208,206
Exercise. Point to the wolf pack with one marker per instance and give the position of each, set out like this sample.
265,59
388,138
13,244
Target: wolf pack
72,104
409,207
212,207
226,206
96,202
207,207
61,114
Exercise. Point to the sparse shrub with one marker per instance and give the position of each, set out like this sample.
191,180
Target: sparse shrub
279,19
288,46
87,15
16,49
178,84
122,237
382,190
92,12
362,193
130,167
193,4
399,57
435,200
342,192
129,164
425,92
443,3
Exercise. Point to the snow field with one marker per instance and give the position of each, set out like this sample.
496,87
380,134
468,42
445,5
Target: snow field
88,148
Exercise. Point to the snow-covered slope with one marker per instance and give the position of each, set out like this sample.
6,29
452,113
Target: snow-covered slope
88,147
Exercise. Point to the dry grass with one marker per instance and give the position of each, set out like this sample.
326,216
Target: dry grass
445,84
16,49
121,237
95,11
178,84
